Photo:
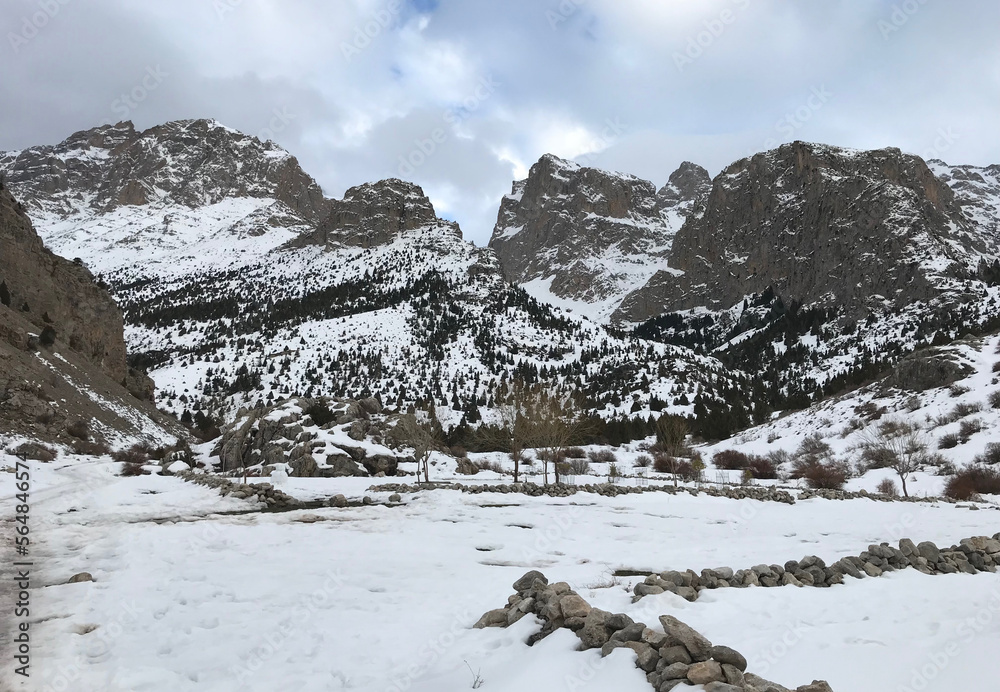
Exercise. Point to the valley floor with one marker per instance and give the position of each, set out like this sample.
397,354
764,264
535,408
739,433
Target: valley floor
194,592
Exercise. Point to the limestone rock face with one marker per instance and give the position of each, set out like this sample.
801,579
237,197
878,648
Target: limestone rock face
60,298
190,162
374,214
594,233
62,348
816,223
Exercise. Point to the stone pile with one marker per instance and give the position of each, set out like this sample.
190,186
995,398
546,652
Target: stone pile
676,657
970,556
262,439
761,493
259,492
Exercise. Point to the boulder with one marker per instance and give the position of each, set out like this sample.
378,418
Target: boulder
573,606
525,582
697,645
305,467
594,634
723,654
81,577
381,463
466,467
705,672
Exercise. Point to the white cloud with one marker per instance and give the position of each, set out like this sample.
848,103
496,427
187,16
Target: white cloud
554,85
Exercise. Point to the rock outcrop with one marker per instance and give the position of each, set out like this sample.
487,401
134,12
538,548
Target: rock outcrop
63,370
594,233
189,162
676,657
374,214
817,223
318,437
58,297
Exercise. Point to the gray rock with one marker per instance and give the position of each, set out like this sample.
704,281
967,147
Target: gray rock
493,618
81,577
724,654
699,646
816,686
593,634
525,582
646,656
573,606
704,672
675,653
675,671
723,687
929,551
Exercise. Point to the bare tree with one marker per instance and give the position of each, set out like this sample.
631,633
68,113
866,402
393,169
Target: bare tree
555,423
671,442
513,431
897,445
423,436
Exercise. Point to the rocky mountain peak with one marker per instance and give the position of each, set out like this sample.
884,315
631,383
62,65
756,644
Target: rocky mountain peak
689,182
194,163
584,234
815,222
374,214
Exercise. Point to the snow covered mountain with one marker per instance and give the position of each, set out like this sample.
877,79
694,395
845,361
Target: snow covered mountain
584,238
793,275
183,193
862,231
245,286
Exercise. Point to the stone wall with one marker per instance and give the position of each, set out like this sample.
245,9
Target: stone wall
676,657
970,556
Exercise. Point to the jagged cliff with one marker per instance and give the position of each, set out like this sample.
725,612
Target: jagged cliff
857,230
62,348
587,235
374,214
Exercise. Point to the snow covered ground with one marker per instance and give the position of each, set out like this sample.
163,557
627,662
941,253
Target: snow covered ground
191,592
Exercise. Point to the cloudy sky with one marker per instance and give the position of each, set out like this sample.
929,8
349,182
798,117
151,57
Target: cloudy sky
462,96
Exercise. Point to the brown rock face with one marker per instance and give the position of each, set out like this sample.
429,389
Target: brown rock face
57,296
374,214
62,349
815,223
191,162
592,231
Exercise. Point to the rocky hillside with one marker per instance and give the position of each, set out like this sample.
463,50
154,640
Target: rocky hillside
384,299
374,214
63,369
115,197
587,236
859,231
